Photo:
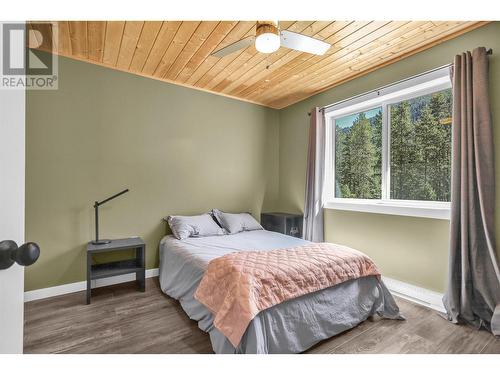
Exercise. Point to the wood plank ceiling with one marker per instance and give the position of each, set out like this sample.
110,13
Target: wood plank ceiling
179,52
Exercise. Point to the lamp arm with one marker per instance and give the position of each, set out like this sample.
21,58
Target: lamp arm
112,197
97,241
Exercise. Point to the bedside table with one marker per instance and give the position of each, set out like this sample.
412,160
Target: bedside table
290,224
135,265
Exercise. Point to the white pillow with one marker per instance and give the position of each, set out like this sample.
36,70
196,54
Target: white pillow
235,223
193,226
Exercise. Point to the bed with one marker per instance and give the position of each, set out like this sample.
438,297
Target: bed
289,327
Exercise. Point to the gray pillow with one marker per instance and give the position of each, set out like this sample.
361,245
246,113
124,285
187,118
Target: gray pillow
235,223
193,226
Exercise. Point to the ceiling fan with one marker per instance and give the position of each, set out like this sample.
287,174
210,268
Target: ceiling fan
269,38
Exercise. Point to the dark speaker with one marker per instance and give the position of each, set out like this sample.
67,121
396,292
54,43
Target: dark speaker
289,224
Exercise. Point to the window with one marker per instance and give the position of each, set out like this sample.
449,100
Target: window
420,134
389,151
358,155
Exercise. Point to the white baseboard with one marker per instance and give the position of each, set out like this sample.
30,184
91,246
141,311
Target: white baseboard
413,293
401,289
33,295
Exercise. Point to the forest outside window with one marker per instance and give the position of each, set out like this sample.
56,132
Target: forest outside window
420,134
389,151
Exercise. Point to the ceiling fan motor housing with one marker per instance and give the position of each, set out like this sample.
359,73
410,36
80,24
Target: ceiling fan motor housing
266,27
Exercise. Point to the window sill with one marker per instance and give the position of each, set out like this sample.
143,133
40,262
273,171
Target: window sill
432,210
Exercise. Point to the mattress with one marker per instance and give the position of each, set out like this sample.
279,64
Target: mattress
290,327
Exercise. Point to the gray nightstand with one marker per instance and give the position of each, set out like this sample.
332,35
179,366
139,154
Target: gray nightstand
290,224
135,265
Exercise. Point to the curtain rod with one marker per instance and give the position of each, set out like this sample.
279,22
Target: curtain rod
488,52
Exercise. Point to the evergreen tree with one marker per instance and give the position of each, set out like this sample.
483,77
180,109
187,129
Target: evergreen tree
362,158
342,162
377,166
428,144
404,153
440,106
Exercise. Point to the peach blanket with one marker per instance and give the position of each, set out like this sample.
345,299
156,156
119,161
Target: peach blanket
237,286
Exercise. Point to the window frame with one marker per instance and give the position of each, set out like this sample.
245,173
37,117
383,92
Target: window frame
423,84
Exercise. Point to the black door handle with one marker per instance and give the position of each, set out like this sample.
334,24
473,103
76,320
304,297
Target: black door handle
24,255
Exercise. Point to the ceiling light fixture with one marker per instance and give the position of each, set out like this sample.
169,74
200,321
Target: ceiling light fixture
268,37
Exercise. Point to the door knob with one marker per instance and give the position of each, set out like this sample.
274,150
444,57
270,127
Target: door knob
24,255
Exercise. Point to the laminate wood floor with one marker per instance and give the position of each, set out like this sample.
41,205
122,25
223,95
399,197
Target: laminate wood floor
123,320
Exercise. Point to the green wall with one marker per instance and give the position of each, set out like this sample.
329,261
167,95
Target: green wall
178,150
414,250
182,151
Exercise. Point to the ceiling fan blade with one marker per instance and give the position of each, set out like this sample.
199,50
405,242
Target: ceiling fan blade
303,43
240,44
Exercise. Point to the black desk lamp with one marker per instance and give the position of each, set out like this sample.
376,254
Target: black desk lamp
96,208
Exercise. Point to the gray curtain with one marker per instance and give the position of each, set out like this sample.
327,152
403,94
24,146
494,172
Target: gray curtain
474,279
313,209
